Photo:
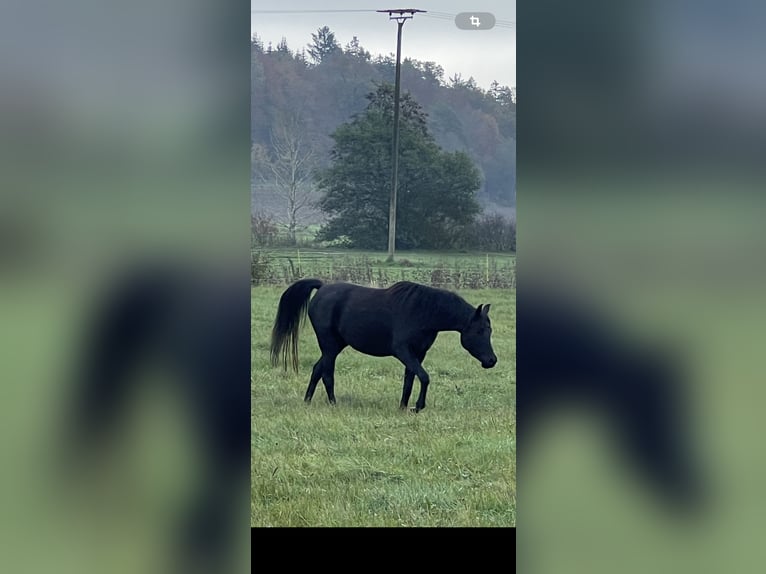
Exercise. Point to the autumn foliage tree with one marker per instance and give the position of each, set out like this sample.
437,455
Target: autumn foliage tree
324,79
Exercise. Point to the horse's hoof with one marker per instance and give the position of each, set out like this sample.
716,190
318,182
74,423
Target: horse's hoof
415,409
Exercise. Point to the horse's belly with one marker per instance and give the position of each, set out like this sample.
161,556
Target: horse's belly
369,339
372,349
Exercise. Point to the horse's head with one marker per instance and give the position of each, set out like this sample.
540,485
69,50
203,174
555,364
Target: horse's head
475,337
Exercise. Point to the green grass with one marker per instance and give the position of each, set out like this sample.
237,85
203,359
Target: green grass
686,268
366,463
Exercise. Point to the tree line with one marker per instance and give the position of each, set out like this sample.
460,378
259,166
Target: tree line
321,133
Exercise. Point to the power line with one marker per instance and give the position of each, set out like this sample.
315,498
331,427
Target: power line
304,11
429,14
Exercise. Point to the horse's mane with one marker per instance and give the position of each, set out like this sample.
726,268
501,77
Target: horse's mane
424,300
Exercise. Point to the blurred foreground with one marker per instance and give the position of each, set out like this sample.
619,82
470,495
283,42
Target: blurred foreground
641,216
124,174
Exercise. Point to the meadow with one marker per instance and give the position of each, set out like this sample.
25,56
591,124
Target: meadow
686,272
366,463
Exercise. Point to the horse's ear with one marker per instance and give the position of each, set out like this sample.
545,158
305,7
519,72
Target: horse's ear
478,312
485,309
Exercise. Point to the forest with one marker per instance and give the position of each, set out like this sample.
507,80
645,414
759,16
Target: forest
306,99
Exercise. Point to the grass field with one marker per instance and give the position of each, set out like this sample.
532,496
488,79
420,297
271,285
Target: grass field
686,268
366,463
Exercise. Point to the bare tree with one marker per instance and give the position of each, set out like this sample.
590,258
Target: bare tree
288,167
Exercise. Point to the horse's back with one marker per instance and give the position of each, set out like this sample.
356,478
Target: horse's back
349,293
330,295
360,316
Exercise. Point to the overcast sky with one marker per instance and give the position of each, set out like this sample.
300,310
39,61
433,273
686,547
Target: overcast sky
486,55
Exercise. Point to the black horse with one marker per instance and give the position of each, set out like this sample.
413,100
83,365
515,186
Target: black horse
196,324
401,321
570,353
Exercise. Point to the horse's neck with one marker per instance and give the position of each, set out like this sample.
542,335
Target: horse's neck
453,315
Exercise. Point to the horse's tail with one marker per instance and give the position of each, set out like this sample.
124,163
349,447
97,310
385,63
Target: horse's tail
291,313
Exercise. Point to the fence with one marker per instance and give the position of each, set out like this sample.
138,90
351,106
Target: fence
477,271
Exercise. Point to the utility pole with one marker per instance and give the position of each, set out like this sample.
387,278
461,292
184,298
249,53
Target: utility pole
400,15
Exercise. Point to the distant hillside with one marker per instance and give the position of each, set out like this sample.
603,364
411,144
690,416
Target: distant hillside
323,84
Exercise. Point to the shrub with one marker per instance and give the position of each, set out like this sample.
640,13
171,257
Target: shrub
491,232
263,230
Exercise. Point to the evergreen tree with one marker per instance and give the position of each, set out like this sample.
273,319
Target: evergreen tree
323,45
436,189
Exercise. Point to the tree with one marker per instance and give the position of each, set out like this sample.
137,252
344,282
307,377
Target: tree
323,45
256,43
287,81
282,47
288,166
436,189
503,95
355,50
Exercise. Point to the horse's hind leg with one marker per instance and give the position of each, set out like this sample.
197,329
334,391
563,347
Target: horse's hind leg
331,345
316,373
328,376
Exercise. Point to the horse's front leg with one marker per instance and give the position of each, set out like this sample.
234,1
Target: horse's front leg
420,404
411,363
409,379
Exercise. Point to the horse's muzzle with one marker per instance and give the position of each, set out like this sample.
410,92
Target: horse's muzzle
488,364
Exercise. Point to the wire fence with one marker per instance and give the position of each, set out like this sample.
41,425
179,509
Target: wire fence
446,270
